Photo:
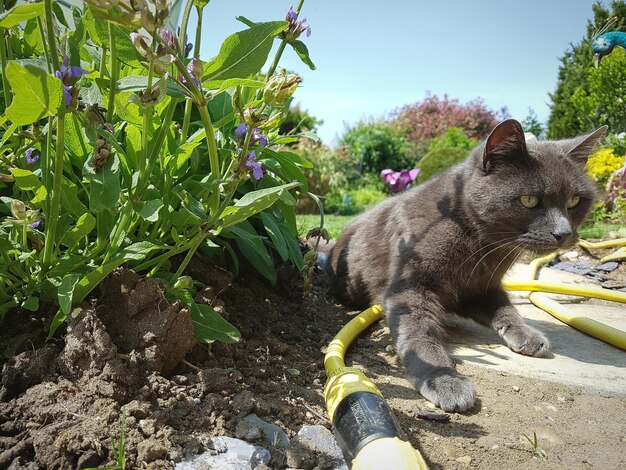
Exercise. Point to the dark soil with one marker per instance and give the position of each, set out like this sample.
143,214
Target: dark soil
61,402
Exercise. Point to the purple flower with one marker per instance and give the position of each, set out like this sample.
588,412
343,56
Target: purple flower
30,158
251,163
36,223
295,28
169,38
188,48
291,16
399,180
258,137
194,67
241,129
69,75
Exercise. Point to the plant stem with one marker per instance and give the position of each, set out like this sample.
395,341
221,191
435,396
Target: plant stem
196,54
196,46
103,59
52,44
192,251
53,215
3,61
113,75
43,43
213,158
182,37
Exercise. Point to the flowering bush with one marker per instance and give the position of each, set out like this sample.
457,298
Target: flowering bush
101,164
601,165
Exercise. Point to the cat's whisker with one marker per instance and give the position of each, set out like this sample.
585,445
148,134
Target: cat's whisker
504,240
483,257
516,247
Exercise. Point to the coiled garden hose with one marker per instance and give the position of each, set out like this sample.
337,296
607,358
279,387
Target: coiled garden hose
364,425
589,326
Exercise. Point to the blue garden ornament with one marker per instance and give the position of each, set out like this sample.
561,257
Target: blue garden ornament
604,42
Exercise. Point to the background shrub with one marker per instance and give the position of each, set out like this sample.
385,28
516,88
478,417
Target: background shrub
602,163
439,160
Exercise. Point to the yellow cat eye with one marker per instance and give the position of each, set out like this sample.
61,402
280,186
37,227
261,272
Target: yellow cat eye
573,202
529,201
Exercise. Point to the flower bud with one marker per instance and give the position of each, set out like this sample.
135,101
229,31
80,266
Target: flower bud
18,209
280,87
183,282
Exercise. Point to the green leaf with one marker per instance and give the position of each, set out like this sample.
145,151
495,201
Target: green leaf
253,249
99,33
69,199
149,210
65,292
288,170
295,255
297,159
303,53
245,20
28,181
31,303
255,201
84,225
37,93
244,53
132,83
223,85
104,190
209,326
20,13
277,237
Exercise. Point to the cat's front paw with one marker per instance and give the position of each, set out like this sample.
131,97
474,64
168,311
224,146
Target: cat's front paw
527,341
450,392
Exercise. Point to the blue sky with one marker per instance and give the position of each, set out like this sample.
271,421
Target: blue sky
373,57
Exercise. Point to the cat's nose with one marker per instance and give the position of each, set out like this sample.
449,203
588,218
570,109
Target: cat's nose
560,235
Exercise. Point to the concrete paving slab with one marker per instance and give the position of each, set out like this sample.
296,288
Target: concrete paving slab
577,360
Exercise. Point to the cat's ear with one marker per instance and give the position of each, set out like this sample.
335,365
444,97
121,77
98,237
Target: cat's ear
505,143
581,147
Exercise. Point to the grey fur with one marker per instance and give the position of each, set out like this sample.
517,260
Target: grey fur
442,247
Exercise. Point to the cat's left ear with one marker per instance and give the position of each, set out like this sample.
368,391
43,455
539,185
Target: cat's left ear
582,146
506,143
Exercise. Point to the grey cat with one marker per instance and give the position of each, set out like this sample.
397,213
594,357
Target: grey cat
443,247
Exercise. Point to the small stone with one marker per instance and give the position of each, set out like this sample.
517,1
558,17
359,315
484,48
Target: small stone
236,376
317,438
272,434
515,388
390,349
612,235
451,452
465,460
569,255
294,372
248,432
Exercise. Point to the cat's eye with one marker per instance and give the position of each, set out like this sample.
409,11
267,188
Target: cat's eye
529,201
573,202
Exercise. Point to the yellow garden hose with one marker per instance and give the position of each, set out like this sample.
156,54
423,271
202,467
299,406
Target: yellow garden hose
589,326
364,425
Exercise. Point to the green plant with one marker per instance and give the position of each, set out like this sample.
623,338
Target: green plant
438,160
375,146
119,150
455,137
534,444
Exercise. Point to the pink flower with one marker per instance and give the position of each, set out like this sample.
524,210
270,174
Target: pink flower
399,180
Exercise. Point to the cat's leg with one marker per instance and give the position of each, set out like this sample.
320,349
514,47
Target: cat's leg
495,310
414,319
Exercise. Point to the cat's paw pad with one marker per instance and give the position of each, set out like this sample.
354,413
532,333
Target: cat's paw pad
527,341
449,392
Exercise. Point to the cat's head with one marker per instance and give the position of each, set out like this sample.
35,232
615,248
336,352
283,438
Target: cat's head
533,193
